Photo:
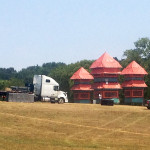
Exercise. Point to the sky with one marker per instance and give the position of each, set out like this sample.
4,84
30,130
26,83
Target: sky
33,32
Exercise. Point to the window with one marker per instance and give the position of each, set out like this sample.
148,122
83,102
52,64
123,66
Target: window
137,75
111,94
137,93
127,93
47,81
133,78
113,79
56,88
81,95
110,75
76,95
84,95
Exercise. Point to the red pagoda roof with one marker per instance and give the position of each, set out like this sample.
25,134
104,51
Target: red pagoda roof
134,68
82,74
82,87
106,86
106,61
134,83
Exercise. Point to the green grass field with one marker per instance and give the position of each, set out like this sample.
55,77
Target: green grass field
45,126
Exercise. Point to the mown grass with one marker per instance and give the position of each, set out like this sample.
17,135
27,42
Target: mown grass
42,126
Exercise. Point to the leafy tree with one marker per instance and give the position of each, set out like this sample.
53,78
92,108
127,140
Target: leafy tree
143,47
2,85
6,74
131,55
140,54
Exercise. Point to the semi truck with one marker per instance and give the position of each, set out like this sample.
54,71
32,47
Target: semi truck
44,88
47,89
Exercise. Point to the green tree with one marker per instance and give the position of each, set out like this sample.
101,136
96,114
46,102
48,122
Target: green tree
140,54
7,73
143,47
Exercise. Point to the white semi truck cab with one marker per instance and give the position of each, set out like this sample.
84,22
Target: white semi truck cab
47,89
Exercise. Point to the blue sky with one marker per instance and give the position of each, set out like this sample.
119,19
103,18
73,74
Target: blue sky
39,31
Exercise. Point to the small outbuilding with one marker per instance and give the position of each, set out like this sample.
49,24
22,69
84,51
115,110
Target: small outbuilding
82,86
134,84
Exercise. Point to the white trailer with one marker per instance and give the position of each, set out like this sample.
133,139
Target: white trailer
47,89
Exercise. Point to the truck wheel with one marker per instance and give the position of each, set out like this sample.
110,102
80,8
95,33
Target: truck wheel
61,101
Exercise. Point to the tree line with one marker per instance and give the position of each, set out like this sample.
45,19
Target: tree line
62,72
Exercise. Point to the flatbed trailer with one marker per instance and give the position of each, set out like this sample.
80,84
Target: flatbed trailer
16,96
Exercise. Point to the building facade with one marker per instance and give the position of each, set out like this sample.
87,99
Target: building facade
133,85
106,71
82,86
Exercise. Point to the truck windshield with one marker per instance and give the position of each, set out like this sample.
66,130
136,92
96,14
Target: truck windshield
56,88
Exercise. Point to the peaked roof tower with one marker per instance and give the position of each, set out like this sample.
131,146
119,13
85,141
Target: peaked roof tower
134,68
82,74
105,61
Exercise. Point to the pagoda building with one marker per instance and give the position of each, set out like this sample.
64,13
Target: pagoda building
105,71
82,86
134,83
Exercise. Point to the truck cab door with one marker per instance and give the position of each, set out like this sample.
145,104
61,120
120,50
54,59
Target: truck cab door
55,91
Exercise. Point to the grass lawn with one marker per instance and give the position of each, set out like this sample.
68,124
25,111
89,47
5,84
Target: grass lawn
45,126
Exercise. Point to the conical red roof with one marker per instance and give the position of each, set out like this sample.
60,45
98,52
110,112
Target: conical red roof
106,61
134,68
82,74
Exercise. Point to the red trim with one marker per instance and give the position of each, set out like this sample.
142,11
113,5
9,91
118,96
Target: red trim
110,94
127,93
82,95
140,93
133,93
82,80
106,94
